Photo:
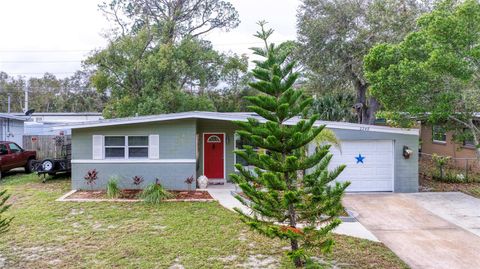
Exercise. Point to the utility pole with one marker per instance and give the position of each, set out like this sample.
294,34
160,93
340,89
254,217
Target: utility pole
25,106
8,109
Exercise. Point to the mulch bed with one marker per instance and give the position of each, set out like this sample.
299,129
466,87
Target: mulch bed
427,184
133,194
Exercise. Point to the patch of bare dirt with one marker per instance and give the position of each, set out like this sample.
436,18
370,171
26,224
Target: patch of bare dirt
261,261
427,184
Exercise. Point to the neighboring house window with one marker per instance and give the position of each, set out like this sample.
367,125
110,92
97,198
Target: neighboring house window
439,134
468,141
126,147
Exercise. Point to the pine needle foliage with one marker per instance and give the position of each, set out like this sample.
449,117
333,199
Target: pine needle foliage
4,222
284,202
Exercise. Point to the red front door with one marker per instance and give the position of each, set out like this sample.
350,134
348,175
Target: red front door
213,150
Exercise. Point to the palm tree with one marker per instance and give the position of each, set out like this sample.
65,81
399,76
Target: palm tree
4,222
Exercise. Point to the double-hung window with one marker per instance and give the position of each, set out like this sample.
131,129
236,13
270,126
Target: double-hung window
137,146
126,147
439,134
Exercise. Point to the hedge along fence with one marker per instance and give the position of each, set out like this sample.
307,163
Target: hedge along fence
449,169
47,146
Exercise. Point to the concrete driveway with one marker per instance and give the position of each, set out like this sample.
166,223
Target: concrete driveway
426,230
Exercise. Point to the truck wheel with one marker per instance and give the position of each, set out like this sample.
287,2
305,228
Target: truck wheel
29,166
47,165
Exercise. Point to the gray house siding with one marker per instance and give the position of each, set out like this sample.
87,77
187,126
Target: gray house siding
176,145
171,176
406,170
215,126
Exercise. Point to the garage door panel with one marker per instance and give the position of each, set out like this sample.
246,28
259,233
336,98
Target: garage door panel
376,171
371,185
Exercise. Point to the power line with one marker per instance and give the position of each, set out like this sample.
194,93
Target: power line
41,73
41,62
45,50
88,50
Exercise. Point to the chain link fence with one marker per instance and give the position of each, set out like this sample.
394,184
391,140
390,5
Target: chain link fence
449,169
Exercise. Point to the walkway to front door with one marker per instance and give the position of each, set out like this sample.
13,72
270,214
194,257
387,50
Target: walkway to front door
214,156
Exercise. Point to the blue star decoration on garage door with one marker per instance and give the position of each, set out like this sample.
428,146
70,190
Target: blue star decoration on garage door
360,158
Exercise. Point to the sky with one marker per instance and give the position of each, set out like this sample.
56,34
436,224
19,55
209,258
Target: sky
55,35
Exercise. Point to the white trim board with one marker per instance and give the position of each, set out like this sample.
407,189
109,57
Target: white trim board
106,161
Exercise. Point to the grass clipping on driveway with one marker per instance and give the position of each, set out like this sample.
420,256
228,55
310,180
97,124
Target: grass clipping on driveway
50,234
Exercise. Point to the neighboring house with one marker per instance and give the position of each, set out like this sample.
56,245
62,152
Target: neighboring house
436,139
11,128
173,147
42,123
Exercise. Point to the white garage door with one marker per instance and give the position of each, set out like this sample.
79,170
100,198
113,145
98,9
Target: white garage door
369,164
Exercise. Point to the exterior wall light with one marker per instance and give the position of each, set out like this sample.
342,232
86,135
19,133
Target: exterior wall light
407,152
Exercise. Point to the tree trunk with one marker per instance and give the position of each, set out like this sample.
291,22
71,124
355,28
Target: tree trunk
473,130
294,242
292,217
366,108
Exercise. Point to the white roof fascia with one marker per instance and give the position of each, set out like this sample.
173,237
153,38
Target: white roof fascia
13,117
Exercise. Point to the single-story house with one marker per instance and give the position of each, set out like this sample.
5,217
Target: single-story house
11,128
174,147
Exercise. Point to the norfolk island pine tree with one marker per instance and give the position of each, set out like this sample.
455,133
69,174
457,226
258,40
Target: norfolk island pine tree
285,202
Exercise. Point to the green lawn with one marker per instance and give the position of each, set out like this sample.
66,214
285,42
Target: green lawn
50,234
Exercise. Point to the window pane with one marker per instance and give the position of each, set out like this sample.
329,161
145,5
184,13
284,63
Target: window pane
138,140
114,141
14,147
439,134
114,152
241,161
138,152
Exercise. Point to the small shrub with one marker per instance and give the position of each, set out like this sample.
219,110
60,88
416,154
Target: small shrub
113,191
137,180
189,181
4,222
91,177
440,162
155,193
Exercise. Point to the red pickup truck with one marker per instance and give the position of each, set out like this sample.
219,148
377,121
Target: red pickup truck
13,156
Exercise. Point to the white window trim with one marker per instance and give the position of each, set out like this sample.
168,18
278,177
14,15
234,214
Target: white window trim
126,148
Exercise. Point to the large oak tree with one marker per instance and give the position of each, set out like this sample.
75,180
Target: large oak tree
335,35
